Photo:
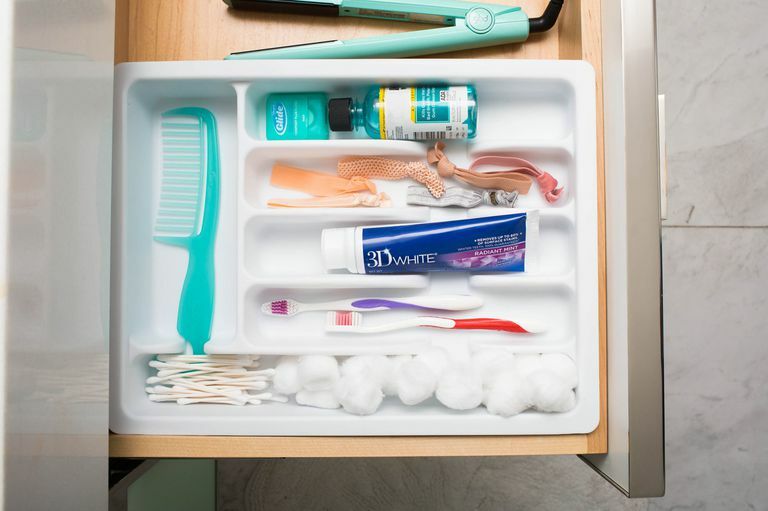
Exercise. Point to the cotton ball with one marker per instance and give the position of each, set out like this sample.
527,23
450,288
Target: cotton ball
527,364
359,394
563,366
415,382
509,395
489,363
435,358
389,386
318,398
550,392
460,388
376,367
358,364
286,378
318,372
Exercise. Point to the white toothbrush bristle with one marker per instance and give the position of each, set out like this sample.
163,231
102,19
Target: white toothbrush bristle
285,307
182,189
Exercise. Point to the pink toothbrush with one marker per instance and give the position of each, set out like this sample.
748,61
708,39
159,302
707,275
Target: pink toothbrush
288,307
352,322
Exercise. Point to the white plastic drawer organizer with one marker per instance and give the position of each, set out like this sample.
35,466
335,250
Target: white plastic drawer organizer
543,111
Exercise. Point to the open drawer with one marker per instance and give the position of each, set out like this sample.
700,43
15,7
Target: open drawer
540,110
617,40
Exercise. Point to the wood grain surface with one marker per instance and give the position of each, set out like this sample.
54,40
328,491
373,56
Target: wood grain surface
149,30
152,30
159,446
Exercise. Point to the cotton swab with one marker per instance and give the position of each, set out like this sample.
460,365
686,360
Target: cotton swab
215,379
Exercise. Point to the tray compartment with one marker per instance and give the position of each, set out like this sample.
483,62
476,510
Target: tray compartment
527,108
153,271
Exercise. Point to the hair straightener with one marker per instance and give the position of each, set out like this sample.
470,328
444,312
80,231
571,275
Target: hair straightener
468,25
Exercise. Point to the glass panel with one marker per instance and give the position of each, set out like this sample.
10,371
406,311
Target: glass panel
58,255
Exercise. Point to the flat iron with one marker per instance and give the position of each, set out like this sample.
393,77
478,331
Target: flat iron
468,25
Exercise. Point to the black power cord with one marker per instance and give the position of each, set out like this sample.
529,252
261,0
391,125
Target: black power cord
547,19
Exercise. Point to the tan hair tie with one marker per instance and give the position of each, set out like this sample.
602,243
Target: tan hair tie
518,178
386,168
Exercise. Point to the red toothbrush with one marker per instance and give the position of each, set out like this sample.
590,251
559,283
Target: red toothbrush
352,322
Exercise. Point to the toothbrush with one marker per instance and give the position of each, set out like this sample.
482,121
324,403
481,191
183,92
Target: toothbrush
288,307
188,213
351,322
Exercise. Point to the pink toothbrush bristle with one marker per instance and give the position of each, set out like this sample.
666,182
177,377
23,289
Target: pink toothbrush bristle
344,318
280,307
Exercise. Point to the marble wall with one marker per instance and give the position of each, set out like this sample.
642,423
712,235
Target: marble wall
713,68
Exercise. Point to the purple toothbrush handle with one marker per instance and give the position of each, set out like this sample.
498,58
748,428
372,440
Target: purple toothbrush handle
373,303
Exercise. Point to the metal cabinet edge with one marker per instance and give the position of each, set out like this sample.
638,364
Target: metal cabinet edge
635,459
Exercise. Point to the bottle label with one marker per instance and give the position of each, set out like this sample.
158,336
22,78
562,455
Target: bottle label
296,116
424,113
494,243
279,118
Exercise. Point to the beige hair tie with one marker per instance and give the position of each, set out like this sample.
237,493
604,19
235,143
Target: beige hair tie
344,200
389,169
328,191
517,178
319,184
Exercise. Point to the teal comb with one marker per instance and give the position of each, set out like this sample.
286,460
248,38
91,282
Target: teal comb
188,212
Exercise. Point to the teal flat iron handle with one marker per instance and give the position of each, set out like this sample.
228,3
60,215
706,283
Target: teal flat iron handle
470,25
197,297
481,28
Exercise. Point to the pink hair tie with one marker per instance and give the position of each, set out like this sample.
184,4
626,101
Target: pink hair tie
548,186
518,178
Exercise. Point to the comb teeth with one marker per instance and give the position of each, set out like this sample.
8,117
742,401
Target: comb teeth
280,308
344,319
181,192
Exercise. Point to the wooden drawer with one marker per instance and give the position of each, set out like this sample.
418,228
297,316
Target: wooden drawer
56,103
153,30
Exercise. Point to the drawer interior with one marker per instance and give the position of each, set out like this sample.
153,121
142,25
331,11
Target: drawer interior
237,109
263,253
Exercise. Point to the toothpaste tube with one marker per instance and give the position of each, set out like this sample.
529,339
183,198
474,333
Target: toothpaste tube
492,243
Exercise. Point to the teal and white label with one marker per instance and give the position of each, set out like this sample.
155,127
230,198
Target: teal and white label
279,118
296,116
424,113
432,104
